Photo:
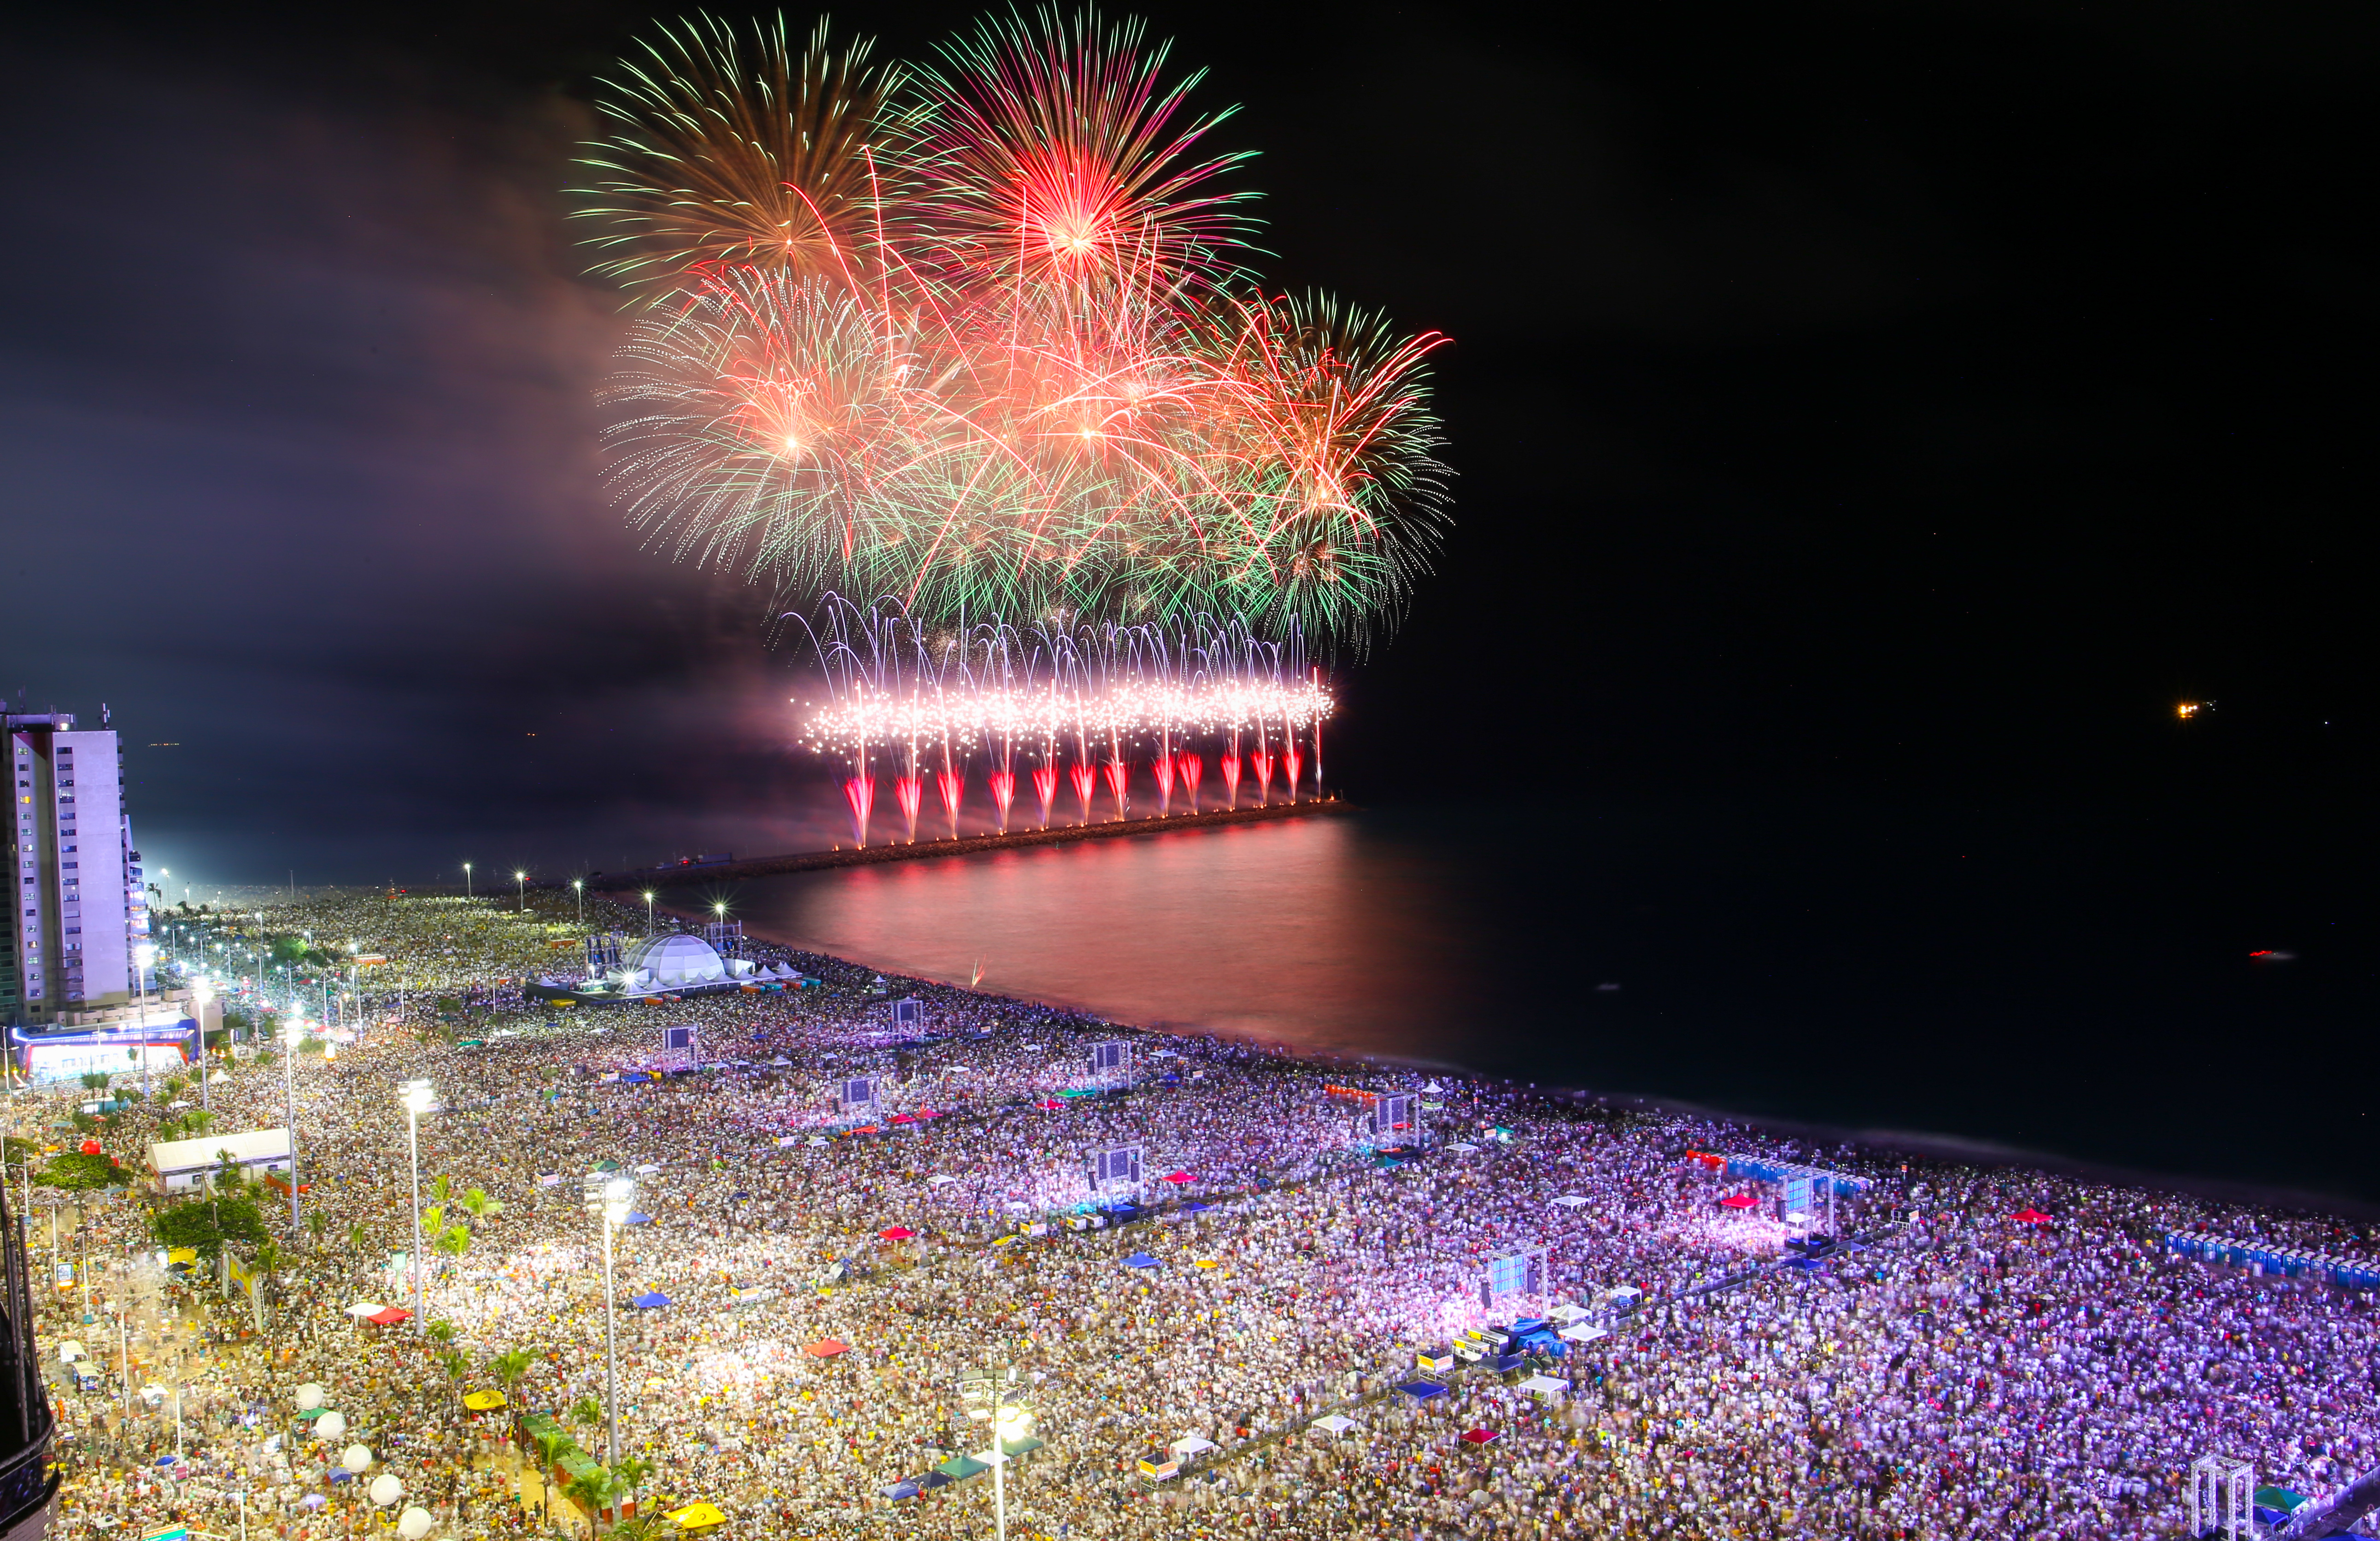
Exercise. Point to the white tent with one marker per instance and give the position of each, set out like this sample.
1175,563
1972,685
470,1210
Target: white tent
1546,1388
1190,1444
365,1308
1335,1423
1580,1334
1570,1201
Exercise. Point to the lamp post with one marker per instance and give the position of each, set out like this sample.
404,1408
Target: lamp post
520,890
201,993
417,1099
607,1198
578,887
292,1032
994,1398
648,912
466,879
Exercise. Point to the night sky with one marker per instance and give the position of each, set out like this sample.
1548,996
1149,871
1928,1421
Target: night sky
1859,405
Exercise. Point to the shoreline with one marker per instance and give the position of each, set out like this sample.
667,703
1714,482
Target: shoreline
965,846
1916,1144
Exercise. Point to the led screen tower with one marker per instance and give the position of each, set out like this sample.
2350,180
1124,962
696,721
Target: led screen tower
77,930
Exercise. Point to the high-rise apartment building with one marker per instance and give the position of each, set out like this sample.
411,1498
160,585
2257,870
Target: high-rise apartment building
75,938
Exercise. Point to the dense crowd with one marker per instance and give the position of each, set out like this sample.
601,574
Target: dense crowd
1953,1371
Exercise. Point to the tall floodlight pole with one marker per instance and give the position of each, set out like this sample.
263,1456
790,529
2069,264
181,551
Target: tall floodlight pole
417,1100
290,1036
466,879
520,890
648,912
995,1400
607,1200
201,993
578,887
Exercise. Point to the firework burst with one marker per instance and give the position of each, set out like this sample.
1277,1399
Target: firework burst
979,337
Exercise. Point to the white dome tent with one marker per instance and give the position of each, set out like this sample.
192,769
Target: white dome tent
674,961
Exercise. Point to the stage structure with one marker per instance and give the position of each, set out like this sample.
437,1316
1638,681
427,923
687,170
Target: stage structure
909,1012
1523,1271
683,1038
1116,1170
2221,1498
1396,1118
726,937
1804,1190
1111,1061
603,953
857,1096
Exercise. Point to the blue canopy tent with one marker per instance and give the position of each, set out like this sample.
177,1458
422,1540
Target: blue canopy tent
1194,1208
1142,1260
1422,1390
651,1299
638,1217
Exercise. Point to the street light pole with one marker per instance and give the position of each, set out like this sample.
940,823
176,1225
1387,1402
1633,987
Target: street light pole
607,1200
579,888
466,879
520,890
417,1100
289,1035
648,912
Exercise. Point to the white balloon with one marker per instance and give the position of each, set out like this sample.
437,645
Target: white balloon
385,1490
309,1397
414,1524
356,1458
330,1426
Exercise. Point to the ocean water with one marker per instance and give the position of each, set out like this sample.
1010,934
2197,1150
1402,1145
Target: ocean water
2083,986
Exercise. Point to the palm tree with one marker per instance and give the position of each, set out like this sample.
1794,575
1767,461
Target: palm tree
588,1410
440,1331
508,1368
634,1472
316,1223
455,1241
478,1206
94,1080
592,1490
440,1187
549,1443
356,1235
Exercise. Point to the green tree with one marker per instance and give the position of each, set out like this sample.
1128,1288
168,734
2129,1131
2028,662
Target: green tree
591,1490
206,1224
16,1150
198,1120
480,1206
441,1187
316,1223
587,1410
357,1236
634,1472
440,1331
508,1368
455,1241
94,1080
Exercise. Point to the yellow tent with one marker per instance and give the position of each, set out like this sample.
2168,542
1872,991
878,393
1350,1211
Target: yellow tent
698,1516
484,1401
182,1255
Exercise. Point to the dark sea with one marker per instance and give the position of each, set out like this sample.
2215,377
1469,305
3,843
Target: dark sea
2191,1000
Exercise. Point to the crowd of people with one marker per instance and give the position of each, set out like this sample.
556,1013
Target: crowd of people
1987,1352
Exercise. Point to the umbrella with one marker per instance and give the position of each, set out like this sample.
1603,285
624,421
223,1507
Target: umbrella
651,1299
896,1234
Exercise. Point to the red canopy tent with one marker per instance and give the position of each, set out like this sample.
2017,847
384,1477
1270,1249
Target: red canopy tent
1179,1177
389,1316
1738,1201
825,1348
903,1118
896,1234
1049,1104
1479,1436
2030,1216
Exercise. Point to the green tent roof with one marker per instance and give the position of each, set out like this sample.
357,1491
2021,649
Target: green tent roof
958,1468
